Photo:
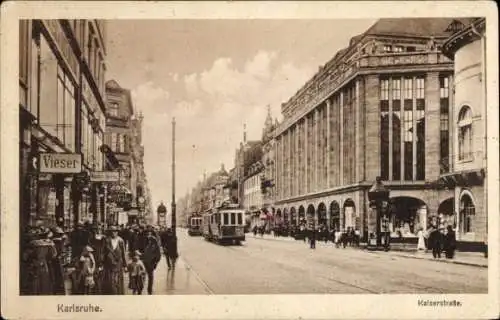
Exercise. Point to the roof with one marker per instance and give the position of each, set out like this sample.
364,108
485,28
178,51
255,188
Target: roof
425,27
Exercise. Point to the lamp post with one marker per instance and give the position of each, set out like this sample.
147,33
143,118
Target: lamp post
174,218
379,235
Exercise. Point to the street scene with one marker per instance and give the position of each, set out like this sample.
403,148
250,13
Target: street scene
170,157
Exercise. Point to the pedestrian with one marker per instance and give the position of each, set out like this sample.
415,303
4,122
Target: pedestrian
98,242
150,257
114,264
39,252
421,239
171,252
59,239
450,243
85,271
435,242
137,273
313,238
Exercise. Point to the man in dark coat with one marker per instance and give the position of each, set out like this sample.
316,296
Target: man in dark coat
151,256
435,242
170,247
450,243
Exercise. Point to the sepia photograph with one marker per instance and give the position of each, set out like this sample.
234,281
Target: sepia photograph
232,156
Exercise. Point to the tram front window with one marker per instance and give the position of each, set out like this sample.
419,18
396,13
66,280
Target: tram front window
240,219
226,219
233,218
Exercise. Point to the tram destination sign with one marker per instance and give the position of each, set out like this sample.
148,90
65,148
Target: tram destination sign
60,163
104,176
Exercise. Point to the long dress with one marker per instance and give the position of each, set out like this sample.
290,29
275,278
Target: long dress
421,240
40,274
114,264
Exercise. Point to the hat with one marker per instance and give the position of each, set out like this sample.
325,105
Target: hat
113,228
88,249
57,231
137,253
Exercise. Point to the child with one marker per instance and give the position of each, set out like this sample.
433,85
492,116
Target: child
137,273
86,268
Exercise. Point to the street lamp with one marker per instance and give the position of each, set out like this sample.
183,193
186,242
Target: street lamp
379,207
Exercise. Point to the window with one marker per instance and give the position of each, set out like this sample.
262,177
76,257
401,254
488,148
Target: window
411,49
113,109
226,219
398,49
408,143
35,50
384,136
384,89
233,218
444,124
467,211
387,48
465,133
408,89
420,86
396,139
48,88
24,44
396,89
121,143
114,143
240,219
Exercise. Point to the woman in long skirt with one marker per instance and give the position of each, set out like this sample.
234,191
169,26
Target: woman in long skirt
114,264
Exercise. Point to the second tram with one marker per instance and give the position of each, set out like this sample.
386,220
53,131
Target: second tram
224,226
194,227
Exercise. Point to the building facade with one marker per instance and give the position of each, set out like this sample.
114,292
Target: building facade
62,68
252,192
268,174
121,138
373,110
466,175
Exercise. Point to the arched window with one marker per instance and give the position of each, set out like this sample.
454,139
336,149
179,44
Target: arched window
465,133
467,210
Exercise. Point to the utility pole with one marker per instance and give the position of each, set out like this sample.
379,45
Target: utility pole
174,219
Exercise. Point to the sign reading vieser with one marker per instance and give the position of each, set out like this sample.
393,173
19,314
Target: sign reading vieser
60,162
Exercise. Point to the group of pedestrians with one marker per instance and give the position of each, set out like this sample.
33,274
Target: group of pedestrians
94,260
438,240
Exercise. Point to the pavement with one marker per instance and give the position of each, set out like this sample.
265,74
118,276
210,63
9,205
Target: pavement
465,258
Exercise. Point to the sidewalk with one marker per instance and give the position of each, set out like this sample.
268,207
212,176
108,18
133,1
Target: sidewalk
464,258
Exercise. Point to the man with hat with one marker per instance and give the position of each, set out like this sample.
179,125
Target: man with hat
151,256
59,239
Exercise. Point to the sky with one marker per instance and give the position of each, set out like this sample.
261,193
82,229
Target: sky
214,77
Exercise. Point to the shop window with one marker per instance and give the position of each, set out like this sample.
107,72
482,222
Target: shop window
465,133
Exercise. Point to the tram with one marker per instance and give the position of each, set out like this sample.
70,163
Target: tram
224,225
194,225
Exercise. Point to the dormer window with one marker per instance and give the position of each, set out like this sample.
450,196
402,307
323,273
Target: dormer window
113,109
387,48
398,49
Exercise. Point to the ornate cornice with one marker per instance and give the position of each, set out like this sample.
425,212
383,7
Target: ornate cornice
463,37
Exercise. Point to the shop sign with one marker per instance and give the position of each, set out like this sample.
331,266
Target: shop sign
60,162
104,176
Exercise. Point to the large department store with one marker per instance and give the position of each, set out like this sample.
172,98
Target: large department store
383,106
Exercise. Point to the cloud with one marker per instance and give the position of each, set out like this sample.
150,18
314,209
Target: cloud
210,109
150,95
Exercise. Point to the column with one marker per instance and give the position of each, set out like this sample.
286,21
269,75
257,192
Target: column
316,138
290,163
297,151
357,136
327,149
306,160
372,130
432,141
341,151
390,130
